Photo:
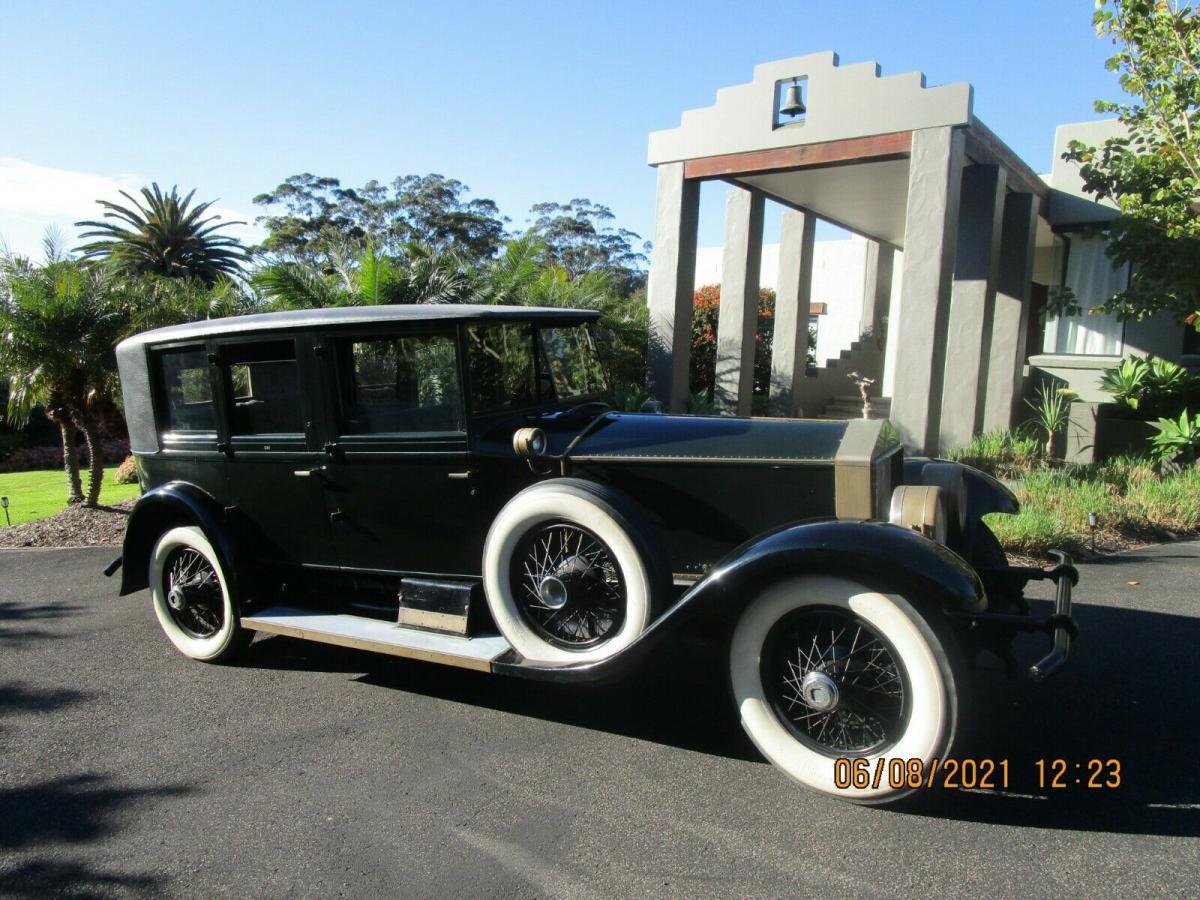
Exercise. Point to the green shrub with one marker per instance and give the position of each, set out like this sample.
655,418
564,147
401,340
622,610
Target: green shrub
1131,500
1003,454
1151,387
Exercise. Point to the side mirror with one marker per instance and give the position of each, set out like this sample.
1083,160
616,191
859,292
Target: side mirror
654,407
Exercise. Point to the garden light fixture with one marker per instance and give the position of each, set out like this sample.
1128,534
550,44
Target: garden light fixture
4,503
1093,523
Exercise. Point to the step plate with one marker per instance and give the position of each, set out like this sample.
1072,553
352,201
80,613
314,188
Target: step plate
378,636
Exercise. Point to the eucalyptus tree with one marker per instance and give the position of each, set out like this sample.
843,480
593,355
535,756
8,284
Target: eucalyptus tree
164,234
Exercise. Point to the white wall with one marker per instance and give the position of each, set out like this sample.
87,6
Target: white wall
839,270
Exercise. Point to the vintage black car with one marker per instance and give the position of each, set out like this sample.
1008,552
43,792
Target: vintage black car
447,483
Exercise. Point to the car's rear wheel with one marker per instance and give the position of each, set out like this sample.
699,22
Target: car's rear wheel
192,597
571,573
823,668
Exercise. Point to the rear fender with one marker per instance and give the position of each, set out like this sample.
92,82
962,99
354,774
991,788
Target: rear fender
163,508
882,556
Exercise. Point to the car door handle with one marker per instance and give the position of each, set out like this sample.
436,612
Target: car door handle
462,476
304,473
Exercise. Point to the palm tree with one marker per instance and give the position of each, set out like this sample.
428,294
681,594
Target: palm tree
365,278
166,235
58,327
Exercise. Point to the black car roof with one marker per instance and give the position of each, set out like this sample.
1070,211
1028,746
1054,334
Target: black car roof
357,315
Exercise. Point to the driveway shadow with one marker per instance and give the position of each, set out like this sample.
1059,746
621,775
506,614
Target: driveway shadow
1127,694
16,619
70,810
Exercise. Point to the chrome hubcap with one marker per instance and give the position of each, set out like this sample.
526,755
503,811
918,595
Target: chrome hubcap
553,593
176,599
820,692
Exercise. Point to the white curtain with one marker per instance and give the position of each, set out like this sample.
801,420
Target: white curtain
1092,278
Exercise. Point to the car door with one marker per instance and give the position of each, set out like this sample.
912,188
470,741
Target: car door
274,462
398,485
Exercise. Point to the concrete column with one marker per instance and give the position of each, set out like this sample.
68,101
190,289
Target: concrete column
738,319
877,286
930,231
789,356
671,284
1010,320
972,302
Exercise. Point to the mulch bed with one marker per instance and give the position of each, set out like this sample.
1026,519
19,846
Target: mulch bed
75,526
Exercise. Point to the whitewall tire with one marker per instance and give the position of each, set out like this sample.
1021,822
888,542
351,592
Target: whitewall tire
881,686
192,597
571,573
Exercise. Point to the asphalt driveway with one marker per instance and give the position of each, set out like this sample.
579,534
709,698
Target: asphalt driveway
314,771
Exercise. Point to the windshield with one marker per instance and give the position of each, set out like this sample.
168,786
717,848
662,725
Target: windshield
503,370
570,364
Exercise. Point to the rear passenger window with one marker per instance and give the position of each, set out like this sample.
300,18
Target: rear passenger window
398,385
266,388
185,387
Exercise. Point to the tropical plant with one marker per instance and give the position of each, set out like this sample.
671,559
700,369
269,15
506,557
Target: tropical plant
1051,412
1152,173
1177,441
164,235
59,324
1151,386
369,278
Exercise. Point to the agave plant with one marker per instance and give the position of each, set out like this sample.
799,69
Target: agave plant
1126,382
164,235
1177,441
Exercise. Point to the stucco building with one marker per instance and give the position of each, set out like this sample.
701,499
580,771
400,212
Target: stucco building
958,242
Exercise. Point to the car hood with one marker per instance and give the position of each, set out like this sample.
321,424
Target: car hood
650,437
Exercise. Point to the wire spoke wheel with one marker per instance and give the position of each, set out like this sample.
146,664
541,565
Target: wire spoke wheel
568,586
835,682
193,592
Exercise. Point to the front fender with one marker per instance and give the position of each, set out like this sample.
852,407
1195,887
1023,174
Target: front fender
162,508
883,556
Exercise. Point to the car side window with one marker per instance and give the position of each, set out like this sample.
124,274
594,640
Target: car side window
502,369
400,384
266,388
185,389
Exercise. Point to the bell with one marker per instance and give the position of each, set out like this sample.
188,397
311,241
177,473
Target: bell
792,104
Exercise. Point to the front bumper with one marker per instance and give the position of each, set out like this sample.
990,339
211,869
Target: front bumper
1059,626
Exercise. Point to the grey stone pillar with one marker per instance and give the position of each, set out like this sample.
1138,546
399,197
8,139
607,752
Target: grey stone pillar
1006,352
671,284
877,286
972,301
789,345
738,319
930,230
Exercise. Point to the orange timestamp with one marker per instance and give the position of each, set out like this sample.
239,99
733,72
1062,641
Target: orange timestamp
897,773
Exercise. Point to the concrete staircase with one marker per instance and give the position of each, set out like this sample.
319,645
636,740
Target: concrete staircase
826,391
849,406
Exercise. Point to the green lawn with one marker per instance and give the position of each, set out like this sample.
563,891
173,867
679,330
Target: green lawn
35,495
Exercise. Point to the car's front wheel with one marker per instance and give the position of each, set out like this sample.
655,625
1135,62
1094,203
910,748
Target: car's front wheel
825,669
192,597
571,572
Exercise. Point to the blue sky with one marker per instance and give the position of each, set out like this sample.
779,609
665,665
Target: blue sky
523,101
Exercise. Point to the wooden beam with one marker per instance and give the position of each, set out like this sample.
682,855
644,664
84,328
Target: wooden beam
831,153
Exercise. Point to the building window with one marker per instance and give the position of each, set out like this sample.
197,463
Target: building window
1093,280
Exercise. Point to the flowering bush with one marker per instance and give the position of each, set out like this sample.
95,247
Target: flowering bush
706,309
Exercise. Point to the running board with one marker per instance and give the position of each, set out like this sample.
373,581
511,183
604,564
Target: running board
378,636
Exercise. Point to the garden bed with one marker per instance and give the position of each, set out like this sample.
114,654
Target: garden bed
75,526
